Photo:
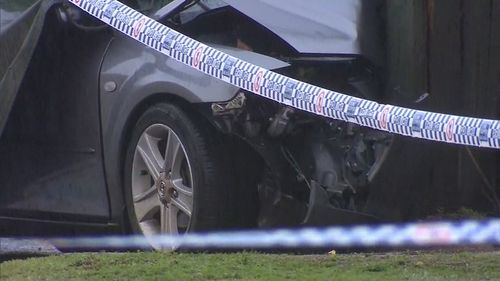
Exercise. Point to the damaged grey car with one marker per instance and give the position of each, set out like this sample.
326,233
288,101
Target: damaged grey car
103,133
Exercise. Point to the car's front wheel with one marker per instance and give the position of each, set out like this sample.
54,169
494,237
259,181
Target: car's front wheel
176,176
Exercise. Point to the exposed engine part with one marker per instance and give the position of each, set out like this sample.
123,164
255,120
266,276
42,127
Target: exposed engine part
297,147
291,160
238,102
300,148
280,122
251,129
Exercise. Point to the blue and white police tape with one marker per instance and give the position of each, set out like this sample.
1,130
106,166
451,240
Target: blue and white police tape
285,90
385,235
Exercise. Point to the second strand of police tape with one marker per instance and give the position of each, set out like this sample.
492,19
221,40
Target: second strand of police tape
385,235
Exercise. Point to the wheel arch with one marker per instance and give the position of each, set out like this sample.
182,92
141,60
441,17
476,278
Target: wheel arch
143,105
116,142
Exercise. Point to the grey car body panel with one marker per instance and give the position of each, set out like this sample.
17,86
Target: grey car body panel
141,72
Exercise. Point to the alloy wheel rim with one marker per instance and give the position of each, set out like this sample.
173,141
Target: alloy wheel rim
162,182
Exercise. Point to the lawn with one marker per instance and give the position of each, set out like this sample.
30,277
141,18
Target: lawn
254,266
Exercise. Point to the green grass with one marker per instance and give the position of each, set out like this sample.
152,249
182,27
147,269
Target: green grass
252,266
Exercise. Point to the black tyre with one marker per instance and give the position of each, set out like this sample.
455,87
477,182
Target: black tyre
177,176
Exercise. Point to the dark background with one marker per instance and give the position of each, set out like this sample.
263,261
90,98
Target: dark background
450,49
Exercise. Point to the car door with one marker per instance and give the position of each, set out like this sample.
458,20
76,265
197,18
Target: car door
50,148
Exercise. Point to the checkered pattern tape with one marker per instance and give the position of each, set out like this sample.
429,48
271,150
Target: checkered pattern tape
285,90
385,235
